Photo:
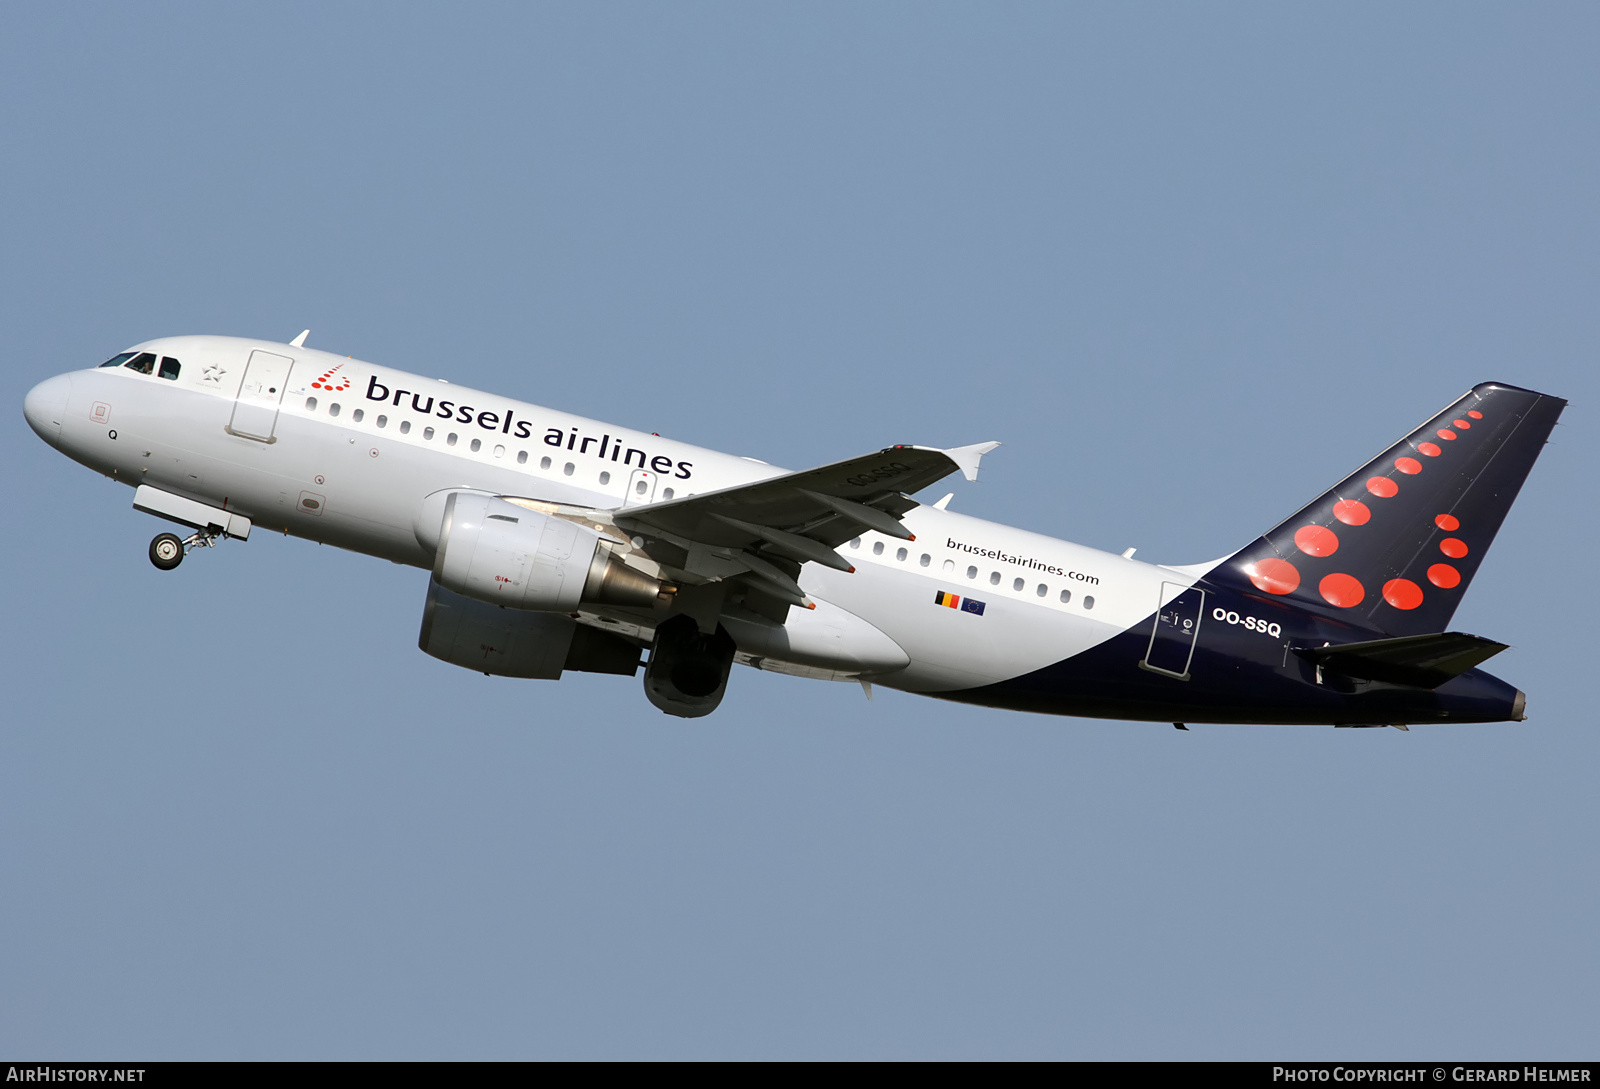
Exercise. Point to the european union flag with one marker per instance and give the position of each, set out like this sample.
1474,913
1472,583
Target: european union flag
971,606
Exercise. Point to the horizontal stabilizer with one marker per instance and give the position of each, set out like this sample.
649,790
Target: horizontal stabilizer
1421,661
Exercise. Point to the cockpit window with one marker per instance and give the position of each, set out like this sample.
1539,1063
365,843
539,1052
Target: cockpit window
144,363
169,367
118,360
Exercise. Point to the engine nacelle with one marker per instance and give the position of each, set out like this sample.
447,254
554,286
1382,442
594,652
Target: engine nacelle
688,670
517,642
504,554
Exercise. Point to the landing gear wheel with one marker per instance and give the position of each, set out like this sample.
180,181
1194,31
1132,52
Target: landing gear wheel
166,551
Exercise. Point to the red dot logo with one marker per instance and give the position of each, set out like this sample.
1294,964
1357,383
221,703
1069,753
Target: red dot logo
1447,522
1461,425
1353,512
1342,590
1274,576
1383,487
1409,466
1454,547
1316,540
326,381
1429,448
1475,414
1446,434
1444,576
1402,593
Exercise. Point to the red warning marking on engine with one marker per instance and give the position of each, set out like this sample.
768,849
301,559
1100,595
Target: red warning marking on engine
1410,466
1446,434
1448,522
1316,540
1353,512
1402,593
1429,448
1383,487
1454,547
1342,590
1475,414
1273,576
1444,576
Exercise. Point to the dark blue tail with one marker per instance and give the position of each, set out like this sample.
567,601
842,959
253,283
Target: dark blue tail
1396,543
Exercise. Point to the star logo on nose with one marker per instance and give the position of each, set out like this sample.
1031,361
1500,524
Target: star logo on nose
213,374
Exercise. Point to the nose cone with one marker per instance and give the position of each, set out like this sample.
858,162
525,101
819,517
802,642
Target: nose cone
46,407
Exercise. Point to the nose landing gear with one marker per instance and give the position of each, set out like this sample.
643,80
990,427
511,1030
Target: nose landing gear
168,549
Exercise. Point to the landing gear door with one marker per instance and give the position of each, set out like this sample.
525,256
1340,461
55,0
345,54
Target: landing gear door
255,413
1172,637
641,488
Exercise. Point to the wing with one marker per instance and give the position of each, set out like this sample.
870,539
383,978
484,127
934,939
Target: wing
764,531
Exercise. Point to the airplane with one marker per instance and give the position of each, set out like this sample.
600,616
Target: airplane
561,543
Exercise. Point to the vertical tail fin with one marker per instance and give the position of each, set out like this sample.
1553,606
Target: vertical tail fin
1396,543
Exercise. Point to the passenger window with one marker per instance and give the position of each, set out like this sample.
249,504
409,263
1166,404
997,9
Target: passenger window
667,494
877,548
427,434
522,457
311,404
144,363
605,478
383,421
924,560
169,367
949,566
1017,585
499,451
450,439
972,572
405,427
477,444
900,554
566,470
1088,603
856,543
640,488
333,409
1066,596
1043,589
118,360
358,415
544,463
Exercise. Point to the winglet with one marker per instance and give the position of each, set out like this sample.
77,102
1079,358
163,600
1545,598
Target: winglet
967,457
300,341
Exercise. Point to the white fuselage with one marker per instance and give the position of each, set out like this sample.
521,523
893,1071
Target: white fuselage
347,452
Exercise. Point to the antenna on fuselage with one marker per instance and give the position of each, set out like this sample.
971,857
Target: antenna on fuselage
300,341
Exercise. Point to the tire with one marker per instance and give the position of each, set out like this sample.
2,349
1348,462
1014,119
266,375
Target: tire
166,551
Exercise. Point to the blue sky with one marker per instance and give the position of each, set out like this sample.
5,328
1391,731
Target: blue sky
1189,263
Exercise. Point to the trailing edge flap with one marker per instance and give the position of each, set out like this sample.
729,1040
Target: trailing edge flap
1421,661
827,506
